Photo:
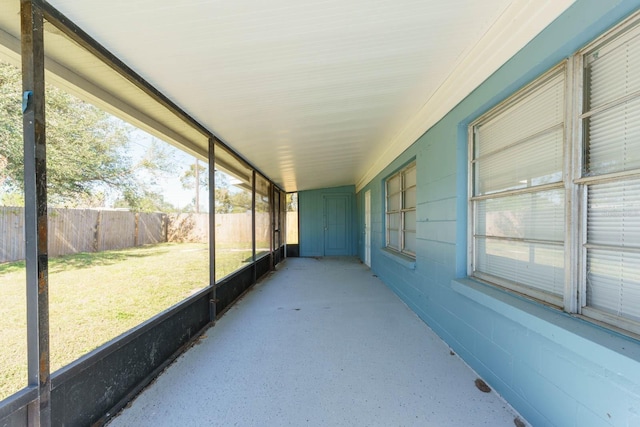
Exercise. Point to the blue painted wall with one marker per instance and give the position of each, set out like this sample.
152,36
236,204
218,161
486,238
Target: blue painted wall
553,368
311,214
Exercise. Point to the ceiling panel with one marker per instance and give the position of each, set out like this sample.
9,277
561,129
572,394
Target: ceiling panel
314,94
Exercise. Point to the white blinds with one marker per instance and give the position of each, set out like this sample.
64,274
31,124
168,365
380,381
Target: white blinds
612,283
613,71
519,236
546,170
614,214
612,145
613,139
613,259
522,146
540,109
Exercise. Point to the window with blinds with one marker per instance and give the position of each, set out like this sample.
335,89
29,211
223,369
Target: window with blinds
401,211
518,192
555,185
611,178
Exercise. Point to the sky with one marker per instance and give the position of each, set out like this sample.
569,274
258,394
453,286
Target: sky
169,185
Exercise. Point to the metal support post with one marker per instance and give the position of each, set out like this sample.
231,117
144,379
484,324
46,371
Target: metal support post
35,195
253,224
212,228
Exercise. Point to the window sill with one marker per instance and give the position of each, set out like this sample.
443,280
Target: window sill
405,261
566,330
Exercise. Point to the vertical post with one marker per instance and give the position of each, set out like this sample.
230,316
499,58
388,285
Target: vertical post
96,234
35,195
253,224
136,229
272,224
212,229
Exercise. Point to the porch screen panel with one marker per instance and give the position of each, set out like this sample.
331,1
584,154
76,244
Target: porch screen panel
13,298
611,132
233,207
518,193
263,216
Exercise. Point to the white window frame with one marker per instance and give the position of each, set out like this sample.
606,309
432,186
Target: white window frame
403,226
575,182
517,99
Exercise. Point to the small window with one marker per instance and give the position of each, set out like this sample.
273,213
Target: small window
401,211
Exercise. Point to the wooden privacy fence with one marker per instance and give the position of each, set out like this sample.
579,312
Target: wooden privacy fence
230,228
82,230
95,230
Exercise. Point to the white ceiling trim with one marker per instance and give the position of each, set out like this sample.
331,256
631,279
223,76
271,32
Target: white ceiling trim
516,27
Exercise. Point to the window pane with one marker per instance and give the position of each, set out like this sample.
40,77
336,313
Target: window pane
263,216
613,283
410,241
393,185
410,220
614,70
394,239
614,214
536,162
393,203
410,177
537,216
410,198
13,312
393,221
233,200
613,139
542,108
536,265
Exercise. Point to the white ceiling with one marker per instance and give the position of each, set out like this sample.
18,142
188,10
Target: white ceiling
315,94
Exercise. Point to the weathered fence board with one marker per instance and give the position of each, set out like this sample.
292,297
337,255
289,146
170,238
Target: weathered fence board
71,231
125,224
188,227
82,230
11,234
152,228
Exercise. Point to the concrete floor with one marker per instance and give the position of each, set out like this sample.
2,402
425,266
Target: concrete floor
320,342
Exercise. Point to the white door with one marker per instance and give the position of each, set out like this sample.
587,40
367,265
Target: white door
367,228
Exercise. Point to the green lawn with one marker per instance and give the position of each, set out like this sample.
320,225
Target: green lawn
94,297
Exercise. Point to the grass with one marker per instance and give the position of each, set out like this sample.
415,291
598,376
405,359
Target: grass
94,297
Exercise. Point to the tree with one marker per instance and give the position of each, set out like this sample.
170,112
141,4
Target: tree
87,148
241,201
147,201
195,178
292,202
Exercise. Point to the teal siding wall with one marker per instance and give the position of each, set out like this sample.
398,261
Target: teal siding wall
311,212
554,368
